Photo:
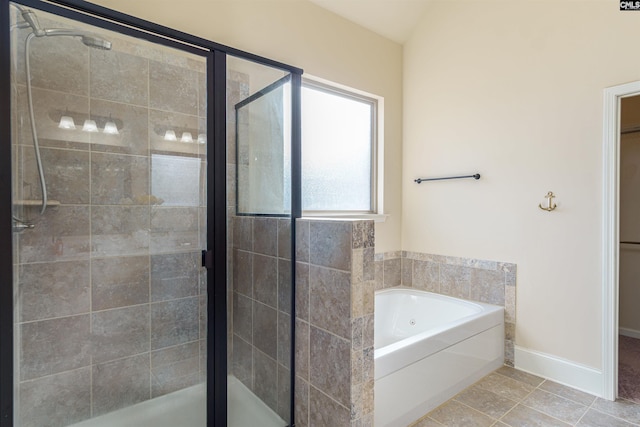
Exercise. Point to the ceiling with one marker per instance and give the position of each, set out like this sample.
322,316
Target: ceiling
393,19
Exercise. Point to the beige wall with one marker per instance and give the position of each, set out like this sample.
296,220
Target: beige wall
514,90
299,33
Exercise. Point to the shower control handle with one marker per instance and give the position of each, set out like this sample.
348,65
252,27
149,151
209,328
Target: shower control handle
19,227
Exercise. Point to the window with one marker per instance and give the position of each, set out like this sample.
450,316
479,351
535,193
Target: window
339,150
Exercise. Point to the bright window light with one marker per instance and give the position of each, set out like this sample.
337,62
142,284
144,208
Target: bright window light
338,150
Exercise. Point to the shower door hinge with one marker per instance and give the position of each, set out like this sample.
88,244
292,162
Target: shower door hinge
207,259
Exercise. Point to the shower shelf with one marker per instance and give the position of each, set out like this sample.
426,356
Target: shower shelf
35,203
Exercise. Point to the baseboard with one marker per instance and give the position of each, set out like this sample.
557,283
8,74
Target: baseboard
631,333
560,370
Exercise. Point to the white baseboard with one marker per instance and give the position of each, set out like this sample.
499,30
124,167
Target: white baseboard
560,370
631,333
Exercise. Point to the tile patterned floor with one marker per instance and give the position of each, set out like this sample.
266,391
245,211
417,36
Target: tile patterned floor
508,397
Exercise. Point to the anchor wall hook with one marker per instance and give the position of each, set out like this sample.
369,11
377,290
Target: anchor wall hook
550,205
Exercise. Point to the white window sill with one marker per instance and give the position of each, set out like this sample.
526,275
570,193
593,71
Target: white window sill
374,217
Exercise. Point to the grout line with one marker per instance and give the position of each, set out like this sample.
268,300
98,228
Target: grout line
473,409
520,402
546,413
616,417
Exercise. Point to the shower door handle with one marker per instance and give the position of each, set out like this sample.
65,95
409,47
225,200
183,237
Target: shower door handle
207,259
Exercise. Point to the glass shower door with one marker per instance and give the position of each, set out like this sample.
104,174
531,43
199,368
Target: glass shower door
260,286
109,220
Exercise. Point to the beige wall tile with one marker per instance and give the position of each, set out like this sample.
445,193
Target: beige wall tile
330,300
53,346
302,291
119,333
243,272
265,379
132,122
330,365
66,172
487,286
302,349
119,180
120,383
330,244
455,280
392,272
175,275
284,339
174,229
180,96
284,286
265,327
302,240
53,289
265,280
301,402
119,282
174,322
60,399
57,63
242,360
324,411
119,230
120,77
61,234
284,393
243,316
284,238
265,236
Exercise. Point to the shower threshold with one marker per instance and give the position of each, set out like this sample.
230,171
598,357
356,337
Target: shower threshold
187,408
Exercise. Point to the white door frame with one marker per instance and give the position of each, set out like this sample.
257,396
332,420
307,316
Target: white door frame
611,233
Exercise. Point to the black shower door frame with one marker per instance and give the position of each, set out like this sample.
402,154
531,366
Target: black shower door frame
215,257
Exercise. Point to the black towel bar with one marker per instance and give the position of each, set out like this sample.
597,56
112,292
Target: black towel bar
475,176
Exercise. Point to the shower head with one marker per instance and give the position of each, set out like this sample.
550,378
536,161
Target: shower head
96,42
88,39
31,20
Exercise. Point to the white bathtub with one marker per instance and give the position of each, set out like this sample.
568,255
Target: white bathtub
428,347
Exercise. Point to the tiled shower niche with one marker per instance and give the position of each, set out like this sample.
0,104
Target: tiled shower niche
111,298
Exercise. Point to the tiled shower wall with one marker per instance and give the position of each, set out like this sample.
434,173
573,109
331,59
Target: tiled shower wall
262,309
258,283
471,279
111,296
335,289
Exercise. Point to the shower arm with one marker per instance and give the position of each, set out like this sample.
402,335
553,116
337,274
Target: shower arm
19,25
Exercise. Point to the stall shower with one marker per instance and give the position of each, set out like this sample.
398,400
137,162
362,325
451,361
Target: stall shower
111,192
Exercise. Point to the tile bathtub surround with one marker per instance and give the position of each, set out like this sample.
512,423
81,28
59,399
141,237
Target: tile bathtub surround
334,323
490,282
109,284
508,397
261,308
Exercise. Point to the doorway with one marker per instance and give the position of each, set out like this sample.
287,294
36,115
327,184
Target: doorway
629,255
611,233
